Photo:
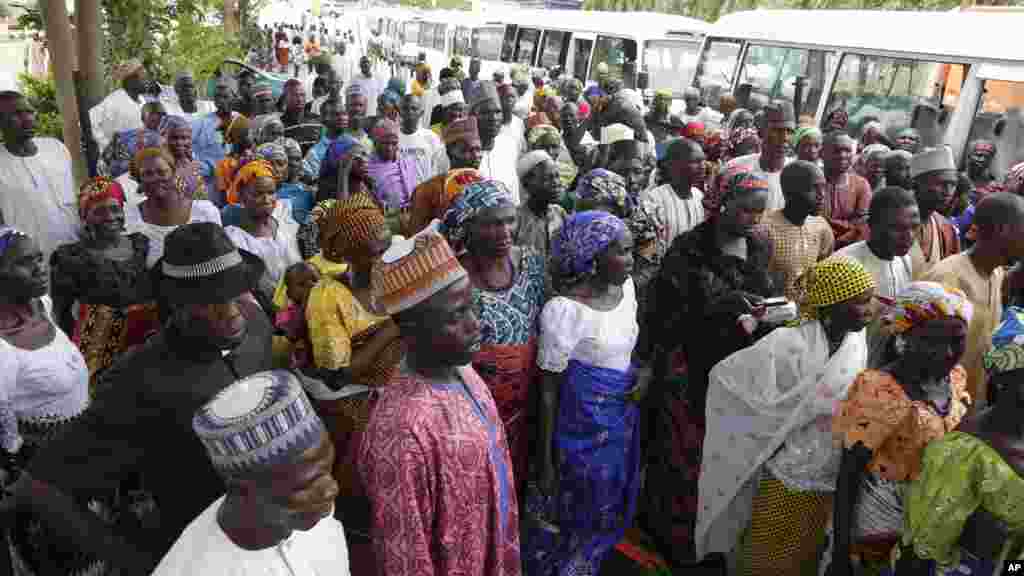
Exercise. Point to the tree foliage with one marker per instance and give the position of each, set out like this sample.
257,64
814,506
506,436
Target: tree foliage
42,95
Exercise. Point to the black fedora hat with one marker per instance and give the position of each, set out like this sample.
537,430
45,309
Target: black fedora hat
201,265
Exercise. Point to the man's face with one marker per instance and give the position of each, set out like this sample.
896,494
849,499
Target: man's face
245,87
633,170
18,120
839,155
364,66
454,333
356,107
222,99
152,116
185,88
137,82
979,162
179,142
265,103
544,182
688,169
489,117
297,496
411,110
936,189
214,326
692,103
465,154
387,147
776,135
897,229
897,171
295,98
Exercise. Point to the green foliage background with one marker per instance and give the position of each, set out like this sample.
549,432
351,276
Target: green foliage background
42,94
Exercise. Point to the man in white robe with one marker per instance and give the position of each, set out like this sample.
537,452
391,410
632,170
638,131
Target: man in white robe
122,108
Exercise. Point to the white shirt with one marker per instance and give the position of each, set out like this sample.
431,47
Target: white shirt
131,188
500,163
891,276
372,89
203,107
277,252
430,154
204,548
705,115
431,97
775,198
113,114
202,211
38,194
680,215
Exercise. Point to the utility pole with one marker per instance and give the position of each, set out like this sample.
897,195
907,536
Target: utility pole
62,61
90,51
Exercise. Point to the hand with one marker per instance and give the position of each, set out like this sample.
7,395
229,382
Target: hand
752,302
643,383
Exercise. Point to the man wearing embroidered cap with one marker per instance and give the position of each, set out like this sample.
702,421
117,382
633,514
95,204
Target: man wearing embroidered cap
431,199
934,178
466,523
139,422
120,110
501,147
263,437
779,124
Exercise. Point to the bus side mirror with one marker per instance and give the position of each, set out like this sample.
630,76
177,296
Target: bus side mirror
643,80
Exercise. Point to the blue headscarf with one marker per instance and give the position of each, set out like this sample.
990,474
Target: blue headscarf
8,235
600,186
390,97
476,197
336,152
397,85
583,238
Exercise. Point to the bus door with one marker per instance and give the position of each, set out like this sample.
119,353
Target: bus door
582,50
554,51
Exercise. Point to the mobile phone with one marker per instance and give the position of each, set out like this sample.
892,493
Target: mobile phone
779,301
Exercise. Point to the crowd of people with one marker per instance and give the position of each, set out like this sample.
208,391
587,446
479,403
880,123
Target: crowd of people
490,326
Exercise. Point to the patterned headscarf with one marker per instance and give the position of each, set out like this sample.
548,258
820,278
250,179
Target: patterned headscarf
831,281
600,186
920,302
120,153
96,190
248,174
389,98
173,122
803,132
583,238
1007,352
8,235
355,222
544,135
271,151
477,196
837,120
735,179
983,147
336,153
1015,179
594,91
266,121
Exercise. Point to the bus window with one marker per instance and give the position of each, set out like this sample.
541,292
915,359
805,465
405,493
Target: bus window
508,43
772,71
616,52
526,46
999,119
460,41
555,48
581,58
440,30
717,66
411,32
899,93
671,64
486,43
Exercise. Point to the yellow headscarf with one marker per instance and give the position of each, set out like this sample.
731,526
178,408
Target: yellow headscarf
248,174
833,280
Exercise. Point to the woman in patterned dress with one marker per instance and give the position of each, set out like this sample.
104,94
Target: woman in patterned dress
354,350
508,292
105,275
177,133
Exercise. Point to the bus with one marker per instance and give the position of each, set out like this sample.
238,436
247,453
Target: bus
647,50
943,73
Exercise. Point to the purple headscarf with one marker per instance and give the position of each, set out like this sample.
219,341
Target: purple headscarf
583,238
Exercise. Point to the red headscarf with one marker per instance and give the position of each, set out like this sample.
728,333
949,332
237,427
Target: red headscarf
96,190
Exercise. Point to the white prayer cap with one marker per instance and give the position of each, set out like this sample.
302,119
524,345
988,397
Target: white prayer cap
932,160
614,132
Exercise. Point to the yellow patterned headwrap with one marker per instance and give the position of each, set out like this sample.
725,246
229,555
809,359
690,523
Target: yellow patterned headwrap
920,302
353,223
248,174
833,280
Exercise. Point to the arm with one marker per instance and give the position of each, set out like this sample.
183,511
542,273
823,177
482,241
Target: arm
364,358
547,474
62,292
851,472
828,242
856,226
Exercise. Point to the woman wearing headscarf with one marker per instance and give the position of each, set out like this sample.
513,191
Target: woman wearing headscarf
166,206
268,128
45,384
265,226
962,512
354,350
344,171
118,156
870,165
394,176
387,105
602,189
741,142
807,144
547,137
508,293
291,188
705,281
769,462
271,154
239,138
917,395
588,460
105,275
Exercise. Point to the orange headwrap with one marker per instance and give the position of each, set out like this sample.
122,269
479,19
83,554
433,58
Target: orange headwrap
248,174
355,221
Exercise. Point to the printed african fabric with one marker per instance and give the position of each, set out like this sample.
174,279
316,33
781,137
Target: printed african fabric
787,530
189,180
115,307
506,360
961,474
435,464
796,248
596,437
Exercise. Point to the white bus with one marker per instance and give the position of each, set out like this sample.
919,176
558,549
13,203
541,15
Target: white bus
951,75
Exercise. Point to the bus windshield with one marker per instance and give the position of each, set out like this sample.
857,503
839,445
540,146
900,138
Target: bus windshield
898,93
772,71
616,53
1000,119
671,64
487,43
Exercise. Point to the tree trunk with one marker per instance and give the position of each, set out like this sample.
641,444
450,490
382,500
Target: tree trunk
231,26
62,58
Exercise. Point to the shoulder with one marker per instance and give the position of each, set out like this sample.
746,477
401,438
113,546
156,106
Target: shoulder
67,254
854,251
559,313
858,181
205,211
51,146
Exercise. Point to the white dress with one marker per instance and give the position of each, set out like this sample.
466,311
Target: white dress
428,151
203,548
277,252
202,211
113,114
38,195
499,163
40,389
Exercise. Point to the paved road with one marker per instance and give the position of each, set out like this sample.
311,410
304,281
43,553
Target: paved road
12,63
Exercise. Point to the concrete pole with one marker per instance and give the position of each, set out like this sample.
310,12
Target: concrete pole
90,51
62,61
